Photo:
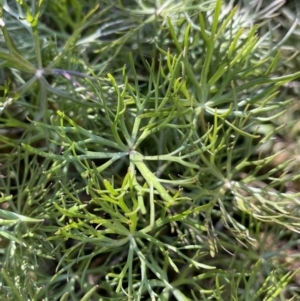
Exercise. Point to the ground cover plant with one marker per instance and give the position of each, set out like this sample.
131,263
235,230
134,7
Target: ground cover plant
149,150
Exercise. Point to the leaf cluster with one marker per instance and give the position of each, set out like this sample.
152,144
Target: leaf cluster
135,143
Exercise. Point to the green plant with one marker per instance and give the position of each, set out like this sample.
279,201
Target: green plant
142,153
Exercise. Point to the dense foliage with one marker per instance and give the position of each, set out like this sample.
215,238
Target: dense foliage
149,150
